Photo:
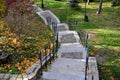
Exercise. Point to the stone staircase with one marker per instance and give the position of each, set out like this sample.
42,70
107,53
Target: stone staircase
71,61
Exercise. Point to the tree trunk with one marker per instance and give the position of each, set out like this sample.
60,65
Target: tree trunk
88,2
100,7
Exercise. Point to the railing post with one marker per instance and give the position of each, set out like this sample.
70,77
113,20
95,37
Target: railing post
50,54
87,55
40,57
56,42
45,57
86,40
53,51
54,27
42,4
48,19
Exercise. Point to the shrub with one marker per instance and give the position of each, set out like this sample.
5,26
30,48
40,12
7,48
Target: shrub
2,8
115,3
74,4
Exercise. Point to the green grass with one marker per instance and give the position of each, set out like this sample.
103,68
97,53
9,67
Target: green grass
106,28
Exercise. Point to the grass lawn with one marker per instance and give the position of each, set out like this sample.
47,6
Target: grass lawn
103,29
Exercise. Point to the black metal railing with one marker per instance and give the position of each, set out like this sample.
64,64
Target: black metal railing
48,19
84,41
87,55
54,27
83,37
73,22
50,53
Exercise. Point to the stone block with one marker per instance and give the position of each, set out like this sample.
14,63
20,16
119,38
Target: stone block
25,77
13,77
7,76
61,76
2,76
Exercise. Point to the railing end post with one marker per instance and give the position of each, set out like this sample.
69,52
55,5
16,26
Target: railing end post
40,58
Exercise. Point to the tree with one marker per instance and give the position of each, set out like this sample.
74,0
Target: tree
74,4
115,3
100,7
88,1
58,0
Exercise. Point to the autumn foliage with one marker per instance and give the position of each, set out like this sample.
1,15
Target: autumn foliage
19,16
22,34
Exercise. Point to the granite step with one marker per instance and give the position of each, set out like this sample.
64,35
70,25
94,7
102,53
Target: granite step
36,8
72,50
66,65
68,37
65,69
62,27
48,17
61,76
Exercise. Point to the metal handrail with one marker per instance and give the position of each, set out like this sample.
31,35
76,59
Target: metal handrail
48,57
87,55
84,40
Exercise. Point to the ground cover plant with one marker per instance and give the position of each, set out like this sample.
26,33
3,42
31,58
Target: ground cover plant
22,35
103,29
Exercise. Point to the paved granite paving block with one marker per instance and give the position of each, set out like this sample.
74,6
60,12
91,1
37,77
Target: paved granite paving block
66,65
1,76
61,76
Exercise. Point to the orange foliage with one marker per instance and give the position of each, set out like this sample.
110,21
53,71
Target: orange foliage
43,52
91,53
1,25
51,46
13,40
112,78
